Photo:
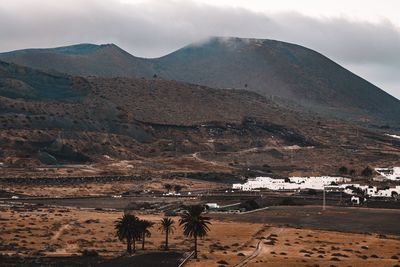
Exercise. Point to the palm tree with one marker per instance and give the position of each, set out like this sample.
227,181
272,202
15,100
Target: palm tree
144,230
167,227
128,228
195,224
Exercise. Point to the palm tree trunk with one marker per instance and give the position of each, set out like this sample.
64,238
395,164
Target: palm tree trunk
195,246
166,240
128,246
143,240
134,245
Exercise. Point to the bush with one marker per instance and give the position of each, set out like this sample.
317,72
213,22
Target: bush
90,253
312,192
287,201
367,172
250,205
343,170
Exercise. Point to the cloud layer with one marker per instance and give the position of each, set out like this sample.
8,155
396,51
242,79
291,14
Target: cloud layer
154,28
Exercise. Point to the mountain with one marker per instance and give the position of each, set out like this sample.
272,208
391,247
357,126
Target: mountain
284,72
159,125
22,82
288,71
83,59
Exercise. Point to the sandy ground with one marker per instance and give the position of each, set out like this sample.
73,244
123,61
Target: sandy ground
108,166
297,247
106,188
66,231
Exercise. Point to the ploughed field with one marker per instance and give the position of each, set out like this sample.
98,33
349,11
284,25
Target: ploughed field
344,219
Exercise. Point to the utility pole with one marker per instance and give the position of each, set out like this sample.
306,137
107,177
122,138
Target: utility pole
323,199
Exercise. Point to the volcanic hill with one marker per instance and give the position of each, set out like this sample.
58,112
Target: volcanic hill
284,72
55,119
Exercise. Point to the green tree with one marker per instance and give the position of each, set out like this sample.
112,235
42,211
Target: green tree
195,224
167,227
128,228
144,226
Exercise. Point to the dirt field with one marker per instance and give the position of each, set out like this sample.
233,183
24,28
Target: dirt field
68,231
104,188
358,220
298,247
65,232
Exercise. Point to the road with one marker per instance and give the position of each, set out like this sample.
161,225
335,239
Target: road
260,248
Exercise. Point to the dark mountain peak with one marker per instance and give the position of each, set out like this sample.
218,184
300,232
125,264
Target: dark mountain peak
237,42
77,49
274,69
81,59
70,50
74,49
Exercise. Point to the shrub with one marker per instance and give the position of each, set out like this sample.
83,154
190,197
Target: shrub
312,192
90,253
367,172
287,201
343,170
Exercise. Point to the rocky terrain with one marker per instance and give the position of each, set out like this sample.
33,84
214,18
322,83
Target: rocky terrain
284,72
103,125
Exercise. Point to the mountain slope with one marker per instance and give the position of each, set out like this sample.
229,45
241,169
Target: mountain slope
278,70
273,68
22,82
83,59
155,124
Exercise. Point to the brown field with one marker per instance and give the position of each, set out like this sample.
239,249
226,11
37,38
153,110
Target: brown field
67,231
104,188
55,231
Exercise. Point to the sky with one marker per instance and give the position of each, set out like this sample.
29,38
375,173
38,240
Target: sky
361,35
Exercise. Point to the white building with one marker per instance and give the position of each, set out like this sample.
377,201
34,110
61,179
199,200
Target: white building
295,183
372,191
355,200
389,173
260,182
298,180
317,183
212,205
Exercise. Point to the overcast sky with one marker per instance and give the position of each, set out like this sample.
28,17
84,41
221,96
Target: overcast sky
362,35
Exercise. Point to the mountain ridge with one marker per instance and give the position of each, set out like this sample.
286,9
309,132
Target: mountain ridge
271,68
48,119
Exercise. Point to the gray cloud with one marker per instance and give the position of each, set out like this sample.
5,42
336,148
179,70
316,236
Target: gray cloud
154,28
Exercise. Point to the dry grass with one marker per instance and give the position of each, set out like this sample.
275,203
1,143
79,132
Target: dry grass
65,231
106,188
